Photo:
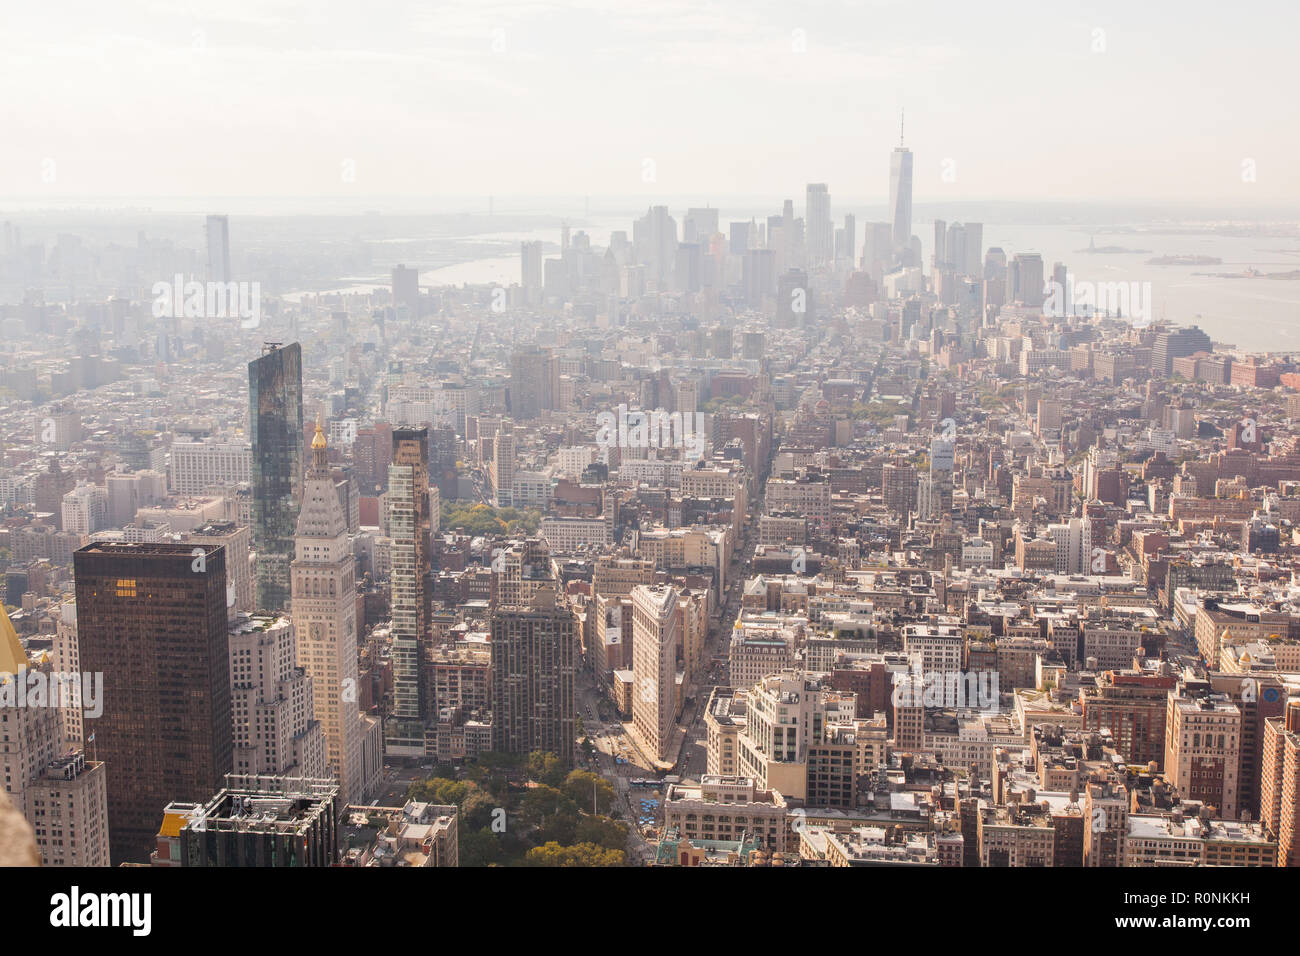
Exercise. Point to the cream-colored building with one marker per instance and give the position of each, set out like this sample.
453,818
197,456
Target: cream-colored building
67,660
724,722
967,738
715,483
785,714
571,533
63,795
1234,623
758,652
68,809
237,540
869,846
694,606
324,604
656,633
781,529
274,728
617,576
939,648
1175,839
1010,839
197,466
687,547
806,496
727,808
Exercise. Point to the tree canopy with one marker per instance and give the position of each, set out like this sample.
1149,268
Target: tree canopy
580,854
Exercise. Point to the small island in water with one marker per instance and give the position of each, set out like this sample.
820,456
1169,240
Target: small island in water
1096,250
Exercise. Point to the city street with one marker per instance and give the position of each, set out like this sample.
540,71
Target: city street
617,756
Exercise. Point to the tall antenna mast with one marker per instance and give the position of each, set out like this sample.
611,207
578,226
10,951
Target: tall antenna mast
900,129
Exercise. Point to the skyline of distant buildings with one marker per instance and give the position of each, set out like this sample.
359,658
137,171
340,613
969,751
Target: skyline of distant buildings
948,570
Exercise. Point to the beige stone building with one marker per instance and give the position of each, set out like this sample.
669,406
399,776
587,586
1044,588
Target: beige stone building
656,634
615,576
1203,750
725,808
1178,839
323,599
724,721
62,794
274,728
785,715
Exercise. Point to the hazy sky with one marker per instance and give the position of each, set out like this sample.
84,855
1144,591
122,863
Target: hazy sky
1005,100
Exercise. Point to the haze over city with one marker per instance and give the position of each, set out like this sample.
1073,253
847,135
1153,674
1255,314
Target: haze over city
1101,101
485,437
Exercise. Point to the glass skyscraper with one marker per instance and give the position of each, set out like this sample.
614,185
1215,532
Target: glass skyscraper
275,429
900,196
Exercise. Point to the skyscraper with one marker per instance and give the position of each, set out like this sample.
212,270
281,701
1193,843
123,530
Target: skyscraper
821,230
218,235
962,248
501,470
846,241
1073,539
533,380
534,652
790,257
700,224
738,238
406,288
530,265
898,487
758,274
50,487
152,619
409,527
688,267
654,242
1177,343
877,247
900,195
275,730
325,619
1025,279
794,301
296,824
656,632
955,251
275,429
941,473
519,570
974,264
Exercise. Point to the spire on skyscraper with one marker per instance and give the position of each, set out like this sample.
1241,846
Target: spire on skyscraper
320,465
